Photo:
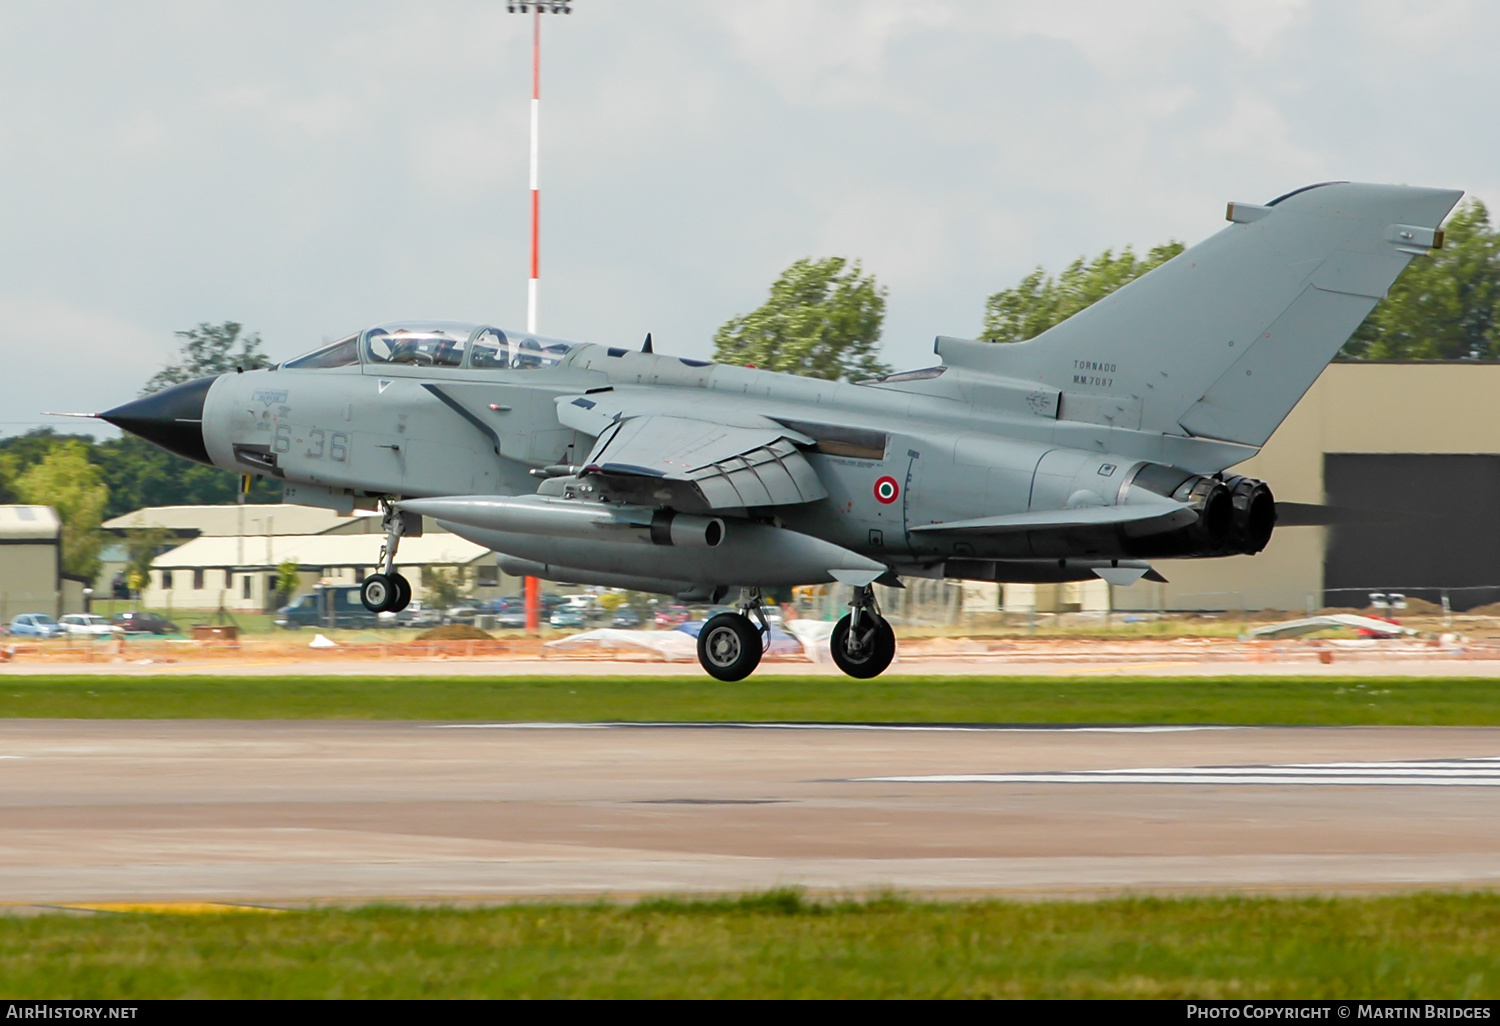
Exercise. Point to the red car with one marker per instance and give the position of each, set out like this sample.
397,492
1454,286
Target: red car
671,616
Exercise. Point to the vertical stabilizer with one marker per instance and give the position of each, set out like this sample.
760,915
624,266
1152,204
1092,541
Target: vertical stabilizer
1222,340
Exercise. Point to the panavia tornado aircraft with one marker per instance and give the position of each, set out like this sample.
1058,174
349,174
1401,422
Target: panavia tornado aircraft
1087,451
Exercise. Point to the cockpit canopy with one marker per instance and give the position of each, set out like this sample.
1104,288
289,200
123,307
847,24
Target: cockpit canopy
451,344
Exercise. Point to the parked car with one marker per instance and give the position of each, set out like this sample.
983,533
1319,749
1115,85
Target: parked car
671,616
568,617
327,605
33,625
510,614
626,617
144,623
88,625
461,614
423,616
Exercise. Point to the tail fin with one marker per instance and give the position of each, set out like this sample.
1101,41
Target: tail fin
1222,340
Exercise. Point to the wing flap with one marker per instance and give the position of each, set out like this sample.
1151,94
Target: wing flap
721,466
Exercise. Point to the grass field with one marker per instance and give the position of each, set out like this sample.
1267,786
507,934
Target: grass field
778,945
1237,700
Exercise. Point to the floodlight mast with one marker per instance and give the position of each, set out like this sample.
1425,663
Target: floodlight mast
533,586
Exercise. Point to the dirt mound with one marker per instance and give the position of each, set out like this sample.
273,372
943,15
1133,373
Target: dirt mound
454,632
1492,609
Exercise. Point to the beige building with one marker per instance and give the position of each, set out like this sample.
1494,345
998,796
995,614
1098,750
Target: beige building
31,574
229,556
240,574
1416,442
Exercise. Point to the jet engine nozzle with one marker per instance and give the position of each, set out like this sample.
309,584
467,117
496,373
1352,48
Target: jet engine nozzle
1254,513
1215,511
1220,529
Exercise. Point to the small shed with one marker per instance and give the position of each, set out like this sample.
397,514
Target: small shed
31,574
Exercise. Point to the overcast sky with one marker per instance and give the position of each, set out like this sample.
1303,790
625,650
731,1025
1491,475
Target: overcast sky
309,168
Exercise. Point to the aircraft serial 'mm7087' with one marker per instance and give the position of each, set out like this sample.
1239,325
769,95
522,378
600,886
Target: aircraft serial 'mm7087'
1087,451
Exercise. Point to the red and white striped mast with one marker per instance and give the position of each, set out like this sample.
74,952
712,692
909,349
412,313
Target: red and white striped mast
536,10
533,586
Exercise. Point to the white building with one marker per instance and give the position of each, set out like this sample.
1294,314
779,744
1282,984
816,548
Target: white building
240,574
230,556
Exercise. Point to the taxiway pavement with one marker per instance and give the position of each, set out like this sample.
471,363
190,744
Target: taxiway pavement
270,812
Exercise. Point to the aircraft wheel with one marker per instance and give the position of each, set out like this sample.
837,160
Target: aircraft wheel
877,648
729,646
403,593
378,593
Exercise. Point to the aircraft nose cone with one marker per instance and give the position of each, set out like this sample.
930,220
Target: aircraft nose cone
171,418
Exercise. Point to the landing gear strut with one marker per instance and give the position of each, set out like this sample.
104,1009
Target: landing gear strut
863,643
730,644
387,591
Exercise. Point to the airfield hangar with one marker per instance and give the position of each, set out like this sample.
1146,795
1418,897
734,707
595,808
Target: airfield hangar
1412,452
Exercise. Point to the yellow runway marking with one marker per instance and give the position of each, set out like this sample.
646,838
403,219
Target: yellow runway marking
181,908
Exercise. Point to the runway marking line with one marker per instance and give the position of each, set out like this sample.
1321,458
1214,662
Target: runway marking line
1473,772
931,727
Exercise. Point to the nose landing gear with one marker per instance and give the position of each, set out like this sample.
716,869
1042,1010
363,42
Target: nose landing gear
388,591
863,643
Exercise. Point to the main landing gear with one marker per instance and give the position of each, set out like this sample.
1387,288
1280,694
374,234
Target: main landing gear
730,645
387,591
863,643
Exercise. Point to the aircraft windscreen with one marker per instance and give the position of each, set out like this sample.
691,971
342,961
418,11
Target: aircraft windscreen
493,350
447,344
343,353
437,345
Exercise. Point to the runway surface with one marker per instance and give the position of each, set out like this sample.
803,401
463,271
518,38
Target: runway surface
267,812
1363,664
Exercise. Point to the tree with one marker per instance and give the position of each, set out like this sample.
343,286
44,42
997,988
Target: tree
8,465
209,349
822,320
68,482
1040,301
138,473
288,580
1443,307
141,474
445,585
142,546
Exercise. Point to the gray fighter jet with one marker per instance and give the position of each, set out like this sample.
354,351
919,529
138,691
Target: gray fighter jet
1086,452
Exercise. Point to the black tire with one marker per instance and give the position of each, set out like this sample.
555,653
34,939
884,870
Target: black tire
403,593
378,592
876,652
729,647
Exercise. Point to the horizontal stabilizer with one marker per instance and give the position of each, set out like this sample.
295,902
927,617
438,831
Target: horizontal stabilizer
1158,516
